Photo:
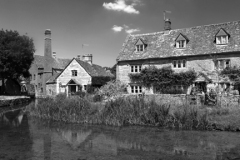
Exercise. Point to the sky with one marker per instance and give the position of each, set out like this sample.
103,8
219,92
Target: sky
103,25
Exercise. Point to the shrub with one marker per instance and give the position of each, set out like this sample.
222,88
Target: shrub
112,88
91,89
80,94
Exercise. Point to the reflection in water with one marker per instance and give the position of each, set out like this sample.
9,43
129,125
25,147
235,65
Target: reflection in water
15,138
36,139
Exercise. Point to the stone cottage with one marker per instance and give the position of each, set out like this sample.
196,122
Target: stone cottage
51,75
207,49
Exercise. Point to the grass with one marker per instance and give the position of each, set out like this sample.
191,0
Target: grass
120,112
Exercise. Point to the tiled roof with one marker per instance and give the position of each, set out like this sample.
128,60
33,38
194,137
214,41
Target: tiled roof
53,78
57,63
201,42
93,70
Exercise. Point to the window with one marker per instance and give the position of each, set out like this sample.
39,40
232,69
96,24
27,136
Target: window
181,41
140,47
136,89
34,77
221,64
85,87
74,73
181,44
136,68
222,39
179,64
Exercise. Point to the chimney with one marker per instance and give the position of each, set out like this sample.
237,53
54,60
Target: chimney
49,61
167,24
54,54
79,57
87,58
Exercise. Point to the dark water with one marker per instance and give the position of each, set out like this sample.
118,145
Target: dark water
26,138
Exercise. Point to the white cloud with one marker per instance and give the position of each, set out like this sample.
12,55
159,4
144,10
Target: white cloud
116,28
129,31
120,5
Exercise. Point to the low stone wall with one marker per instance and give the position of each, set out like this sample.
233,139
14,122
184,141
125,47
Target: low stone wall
183,99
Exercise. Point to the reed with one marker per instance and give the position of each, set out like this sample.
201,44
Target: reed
120,112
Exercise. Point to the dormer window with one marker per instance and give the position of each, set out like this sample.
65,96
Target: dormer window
140,46
222,37
181,41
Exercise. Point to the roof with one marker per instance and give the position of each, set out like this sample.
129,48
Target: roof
93,70
201,42
57,63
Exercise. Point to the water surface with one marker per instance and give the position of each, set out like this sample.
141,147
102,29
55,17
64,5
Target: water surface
26,138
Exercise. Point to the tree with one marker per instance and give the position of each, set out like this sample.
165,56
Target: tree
16,55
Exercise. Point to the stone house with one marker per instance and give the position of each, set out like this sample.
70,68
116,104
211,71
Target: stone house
76,76
50,75
206,49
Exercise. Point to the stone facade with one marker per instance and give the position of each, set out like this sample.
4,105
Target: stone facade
201,52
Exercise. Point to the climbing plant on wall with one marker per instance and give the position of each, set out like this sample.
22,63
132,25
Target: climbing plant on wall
163,78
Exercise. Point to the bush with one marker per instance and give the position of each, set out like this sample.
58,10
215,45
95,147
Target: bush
91,89
97,98
112,88
80,94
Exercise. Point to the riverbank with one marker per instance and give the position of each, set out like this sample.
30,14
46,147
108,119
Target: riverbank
13,102
136,110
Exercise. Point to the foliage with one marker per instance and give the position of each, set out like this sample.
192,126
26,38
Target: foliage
163,78
80,94
91,89
234,75
16,54
102,80
122,111
112,88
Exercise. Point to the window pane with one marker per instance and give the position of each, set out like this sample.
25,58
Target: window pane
184,63
132,89
140,68
218,40
174,64
132,68
179,64
227,63
140,89
136,68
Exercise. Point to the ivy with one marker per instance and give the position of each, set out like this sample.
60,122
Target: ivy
162,78
233,73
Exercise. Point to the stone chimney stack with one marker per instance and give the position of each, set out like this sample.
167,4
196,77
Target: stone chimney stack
79,57
167,24
54,54
47,73
87,58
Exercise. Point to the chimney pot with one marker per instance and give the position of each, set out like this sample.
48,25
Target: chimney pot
167,24
54,54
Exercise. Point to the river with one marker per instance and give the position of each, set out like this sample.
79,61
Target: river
26,138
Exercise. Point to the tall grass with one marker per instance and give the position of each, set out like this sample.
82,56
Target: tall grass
120,112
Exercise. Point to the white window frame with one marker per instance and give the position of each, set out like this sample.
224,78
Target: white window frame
140,47
135,89
181,44
136,68
74,73
179,64
222,40
221,64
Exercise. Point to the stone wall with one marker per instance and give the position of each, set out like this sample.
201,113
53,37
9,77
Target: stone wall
82,76
203,63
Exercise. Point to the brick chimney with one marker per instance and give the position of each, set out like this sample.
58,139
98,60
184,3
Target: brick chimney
48,59
167,24
87,58
79,57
